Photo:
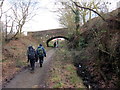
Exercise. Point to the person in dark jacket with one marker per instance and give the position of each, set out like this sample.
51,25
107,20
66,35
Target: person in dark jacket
41,54
32,55
54,44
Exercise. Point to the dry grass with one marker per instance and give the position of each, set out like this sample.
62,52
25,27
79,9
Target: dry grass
14,56
63,72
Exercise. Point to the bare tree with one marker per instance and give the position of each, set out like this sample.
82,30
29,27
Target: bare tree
20,12
80,14
66,18
1,26
69,16
1,4
9,24
23,11
86,8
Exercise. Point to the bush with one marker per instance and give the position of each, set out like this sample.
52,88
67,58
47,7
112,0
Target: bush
82,43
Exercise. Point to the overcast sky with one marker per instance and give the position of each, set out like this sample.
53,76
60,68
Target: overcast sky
46,19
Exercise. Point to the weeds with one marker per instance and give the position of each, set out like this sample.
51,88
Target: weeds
64,72
3,60
82,43
58,85
20,63
70,68
12,47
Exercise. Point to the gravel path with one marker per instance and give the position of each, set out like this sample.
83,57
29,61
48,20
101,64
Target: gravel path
25,79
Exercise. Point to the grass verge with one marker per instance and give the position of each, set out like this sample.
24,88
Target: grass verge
63,72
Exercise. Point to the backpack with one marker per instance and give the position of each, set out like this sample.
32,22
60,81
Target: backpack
31,54
40,51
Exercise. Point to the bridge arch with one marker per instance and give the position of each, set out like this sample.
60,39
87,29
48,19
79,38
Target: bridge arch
47,42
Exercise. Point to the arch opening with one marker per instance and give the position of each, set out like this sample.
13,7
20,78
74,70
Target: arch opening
54,38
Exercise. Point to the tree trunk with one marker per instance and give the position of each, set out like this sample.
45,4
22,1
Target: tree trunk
6,30
90,15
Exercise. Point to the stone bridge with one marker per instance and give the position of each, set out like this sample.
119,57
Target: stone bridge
46,36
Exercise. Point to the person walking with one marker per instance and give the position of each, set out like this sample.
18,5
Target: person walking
54,44
41,54
31,57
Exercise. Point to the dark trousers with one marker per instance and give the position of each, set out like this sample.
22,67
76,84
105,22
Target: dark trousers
41,59
32,64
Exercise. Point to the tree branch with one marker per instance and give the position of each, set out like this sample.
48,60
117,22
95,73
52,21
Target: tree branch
90,10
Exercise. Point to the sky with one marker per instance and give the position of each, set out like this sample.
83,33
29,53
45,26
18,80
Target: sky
46,19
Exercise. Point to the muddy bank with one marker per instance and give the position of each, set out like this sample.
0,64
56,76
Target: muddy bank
92,77
86,76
